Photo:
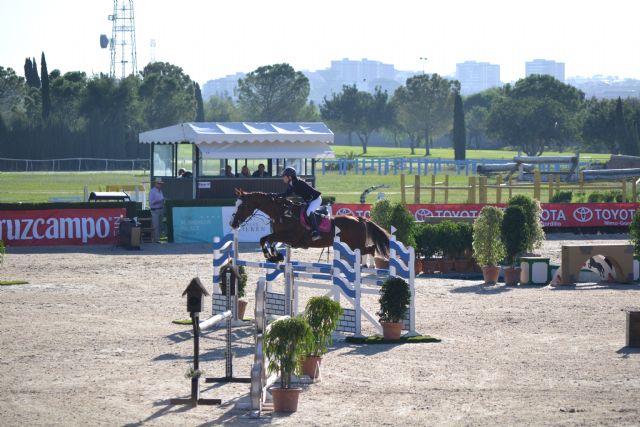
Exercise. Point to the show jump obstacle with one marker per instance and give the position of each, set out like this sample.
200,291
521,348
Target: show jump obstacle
574,257
343,278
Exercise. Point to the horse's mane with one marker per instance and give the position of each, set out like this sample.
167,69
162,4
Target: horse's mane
274,197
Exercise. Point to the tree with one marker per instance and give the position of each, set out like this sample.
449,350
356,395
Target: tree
199,104
359,112
545,86
476,121
167,95
426,103
31,73
12,90
342,110
598,127
66,93
273,93
221,109
459,131
46,98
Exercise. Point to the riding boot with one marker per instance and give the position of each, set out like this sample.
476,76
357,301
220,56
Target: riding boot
314,226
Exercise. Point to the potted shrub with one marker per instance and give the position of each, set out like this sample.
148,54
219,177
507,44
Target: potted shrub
395,297
381,213
285,343
513,232
322,315
532,211
488,249
463,247
428,246
242,284
447,238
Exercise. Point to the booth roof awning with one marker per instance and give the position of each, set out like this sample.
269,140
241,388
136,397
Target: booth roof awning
248,140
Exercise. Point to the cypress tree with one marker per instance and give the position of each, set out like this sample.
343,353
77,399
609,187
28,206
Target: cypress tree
620,128
36,78
46,99
199,104
459,131
28,72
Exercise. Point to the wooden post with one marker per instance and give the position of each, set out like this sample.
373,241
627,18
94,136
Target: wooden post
536,184
550,183
482,196
446,189
498,188
416,189
403,196
510,187
472,190
433,188
557,184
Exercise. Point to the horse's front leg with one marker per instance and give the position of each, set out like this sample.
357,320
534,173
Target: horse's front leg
266,243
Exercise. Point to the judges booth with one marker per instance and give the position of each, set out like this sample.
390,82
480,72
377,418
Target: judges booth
217,153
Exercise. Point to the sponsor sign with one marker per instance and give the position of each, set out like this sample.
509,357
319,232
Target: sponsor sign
553,214
196,224
258,225
60,226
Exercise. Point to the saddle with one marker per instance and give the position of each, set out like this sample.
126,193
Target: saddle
322,219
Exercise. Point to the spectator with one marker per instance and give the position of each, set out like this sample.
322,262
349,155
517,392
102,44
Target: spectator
260,173
183,173
156,204
228,172
244,172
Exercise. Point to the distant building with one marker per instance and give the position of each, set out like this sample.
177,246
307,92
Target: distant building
475,76
543,66
223,87
606,87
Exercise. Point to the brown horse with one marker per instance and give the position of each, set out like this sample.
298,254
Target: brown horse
356,232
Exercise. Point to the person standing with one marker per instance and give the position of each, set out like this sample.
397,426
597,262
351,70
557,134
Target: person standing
156,204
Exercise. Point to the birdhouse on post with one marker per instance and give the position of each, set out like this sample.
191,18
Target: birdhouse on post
195,293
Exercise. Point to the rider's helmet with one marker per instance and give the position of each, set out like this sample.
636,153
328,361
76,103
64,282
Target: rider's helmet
290,172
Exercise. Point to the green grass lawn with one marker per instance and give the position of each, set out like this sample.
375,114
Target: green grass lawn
41,186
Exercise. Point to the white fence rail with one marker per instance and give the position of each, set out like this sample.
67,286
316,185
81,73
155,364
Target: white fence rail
73,164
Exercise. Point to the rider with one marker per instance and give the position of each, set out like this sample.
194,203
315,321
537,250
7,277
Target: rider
309,194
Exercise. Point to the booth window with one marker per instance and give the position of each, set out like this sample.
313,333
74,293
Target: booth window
163,160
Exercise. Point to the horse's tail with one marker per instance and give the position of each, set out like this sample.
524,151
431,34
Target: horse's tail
378,236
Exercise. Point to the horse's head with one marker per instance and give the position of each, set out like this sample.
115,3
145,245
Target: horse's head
245,206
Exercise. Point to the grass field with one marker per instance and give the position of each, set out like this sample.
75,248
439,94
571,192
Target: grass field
41,186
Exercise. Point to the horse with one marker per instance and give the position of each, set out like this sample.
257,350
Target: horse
286,226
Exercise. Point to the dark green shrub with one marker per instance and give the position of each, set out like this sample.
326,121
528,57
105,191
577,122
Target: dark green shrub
381,213
322,315
404,222
448,238
285,343
634,233
561,197
465,237
532,210
427,242
242,282
513,232
395,297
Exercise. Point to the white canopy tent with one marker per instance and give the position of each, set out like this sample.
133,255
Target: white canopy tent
242,140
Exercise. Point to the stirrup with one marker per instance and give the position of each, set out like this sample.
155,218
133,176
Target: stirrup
315,235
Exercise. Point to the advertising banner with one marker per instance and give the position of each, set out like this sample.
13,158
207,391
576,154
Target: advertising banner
60,226
553,214
252,230
196,224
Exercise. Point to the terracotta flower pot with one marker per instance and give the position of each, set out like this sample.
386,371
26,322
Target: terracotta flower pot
311,366
242,307
490,273
511,276
391,330
285,399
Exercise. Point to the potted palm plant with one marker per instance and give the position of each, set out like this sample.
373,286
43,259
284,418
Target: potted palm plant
241,277
395,297
322,315
514,234
285,343
488,249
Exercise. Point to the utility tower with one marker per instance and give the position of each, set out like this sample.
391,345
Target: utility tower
123,38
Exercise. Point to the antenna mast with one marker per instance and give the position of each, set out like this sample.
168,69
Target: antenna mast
123,38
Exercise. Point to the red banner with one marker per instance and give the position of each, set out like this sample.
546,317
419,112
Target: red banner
60,226
553,214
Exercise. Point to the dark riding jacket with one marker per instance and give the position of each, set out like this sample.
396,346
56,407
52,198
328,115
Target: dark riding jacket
302,189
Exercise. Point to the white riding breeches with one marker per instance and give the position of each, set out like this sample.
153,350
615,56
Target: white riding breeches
314,205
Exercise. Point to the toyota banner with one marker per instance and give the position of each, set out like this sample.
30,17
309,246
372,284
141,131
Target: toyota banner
553,214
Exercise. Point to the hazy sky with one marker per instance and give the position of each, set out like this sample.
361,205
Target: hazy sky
213,38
